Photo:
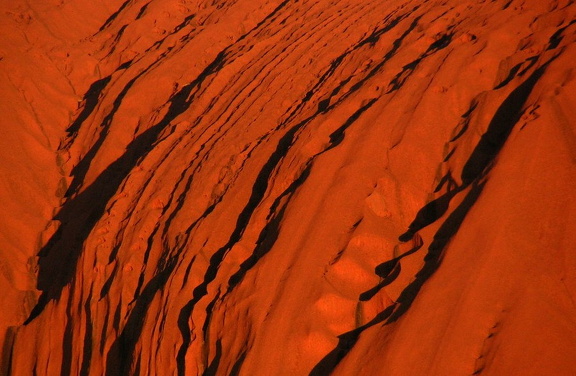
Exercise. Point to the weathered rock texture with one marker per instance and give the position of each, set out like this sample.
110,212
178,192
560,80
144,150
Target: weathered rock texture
288,187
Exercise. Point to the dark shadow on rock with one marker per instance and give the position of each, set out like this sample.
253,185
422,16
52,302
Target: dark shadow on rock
345,343
121,355
390,277
57,262
390,270
447,180
433,258
114,15
66,366
557,37
464,123
408,295
211,370
475,170
90,101
510,76
429,214
337,136
258,190
238,365
7,350
269,233
81,169
407,70
506,116
265,241
384,269
88,338
79,214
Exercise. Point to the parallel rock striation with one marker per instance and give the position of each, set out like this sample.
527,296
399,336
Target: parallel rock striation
288,187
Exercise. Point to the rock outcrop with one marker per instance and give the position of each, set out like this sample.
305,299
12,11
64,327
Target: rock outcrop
288,187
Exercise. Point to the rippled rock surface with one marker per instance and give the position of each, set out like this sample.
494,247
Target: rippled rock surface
239,187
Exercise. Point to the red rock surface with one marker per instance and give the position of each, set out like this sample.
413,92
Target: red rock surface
288,187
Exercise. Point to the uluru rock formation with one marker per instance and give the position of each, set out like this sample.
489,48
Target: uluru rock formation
240,187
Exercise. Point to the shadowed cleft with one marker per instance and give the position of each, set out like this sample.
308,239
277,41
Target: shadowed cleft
270,232
90,102
439,44
557,37
78,216
511,75
114,15
258,190
120,357
499,128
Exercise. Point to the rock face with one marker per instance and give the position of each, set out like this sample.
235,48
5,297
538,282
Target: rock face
288,187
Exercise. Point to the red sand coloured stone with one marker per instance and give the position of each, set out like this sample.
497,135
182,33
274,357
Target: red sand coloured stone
288,187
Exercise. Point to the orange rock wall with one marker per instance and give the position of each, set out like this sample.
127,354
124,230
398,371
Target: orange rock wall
288,187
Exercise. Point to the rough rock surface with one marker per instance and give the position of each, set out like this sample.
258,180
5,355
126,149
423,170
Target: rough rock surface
288,187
